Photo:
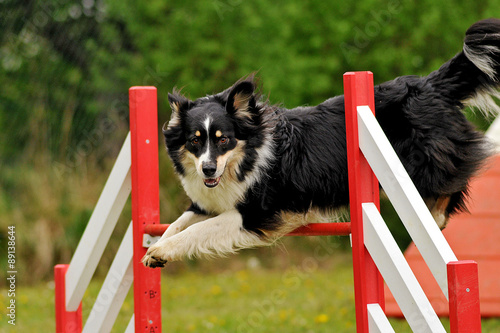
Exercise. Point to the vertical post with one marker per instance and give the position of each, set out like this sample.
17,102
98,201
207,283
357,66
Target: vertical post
363,187
66,321
145,204
463,292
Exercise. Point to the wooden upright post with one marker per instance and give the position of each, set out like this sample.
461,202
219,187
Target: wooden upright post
145,204
363,187
66,321
463,292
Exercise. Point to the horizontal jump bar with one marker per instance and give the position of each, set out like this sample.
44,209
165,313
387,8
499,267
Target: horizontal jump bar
312,229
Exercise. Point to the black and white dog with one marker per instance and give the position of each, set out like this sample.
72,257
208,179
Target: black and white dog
254,170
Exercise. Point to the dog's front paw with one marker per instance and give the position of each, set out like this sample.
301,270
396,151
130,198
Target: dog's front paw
154,257
153,262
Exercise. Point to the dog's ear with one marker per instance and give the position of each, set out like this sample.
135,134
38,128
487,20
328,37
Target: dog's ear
178,103
242,99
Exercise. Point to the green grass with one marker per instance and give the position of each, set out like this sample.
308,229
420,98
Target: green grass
309,295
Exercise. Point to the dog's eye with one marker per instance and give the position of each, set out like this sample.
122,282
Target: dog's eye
223,140
195,141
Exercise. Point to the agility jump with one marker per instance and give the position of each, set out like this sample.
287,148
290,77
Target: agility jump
375,253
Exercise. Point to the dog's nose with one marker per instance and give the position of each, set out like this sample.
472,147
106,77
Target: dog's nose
209,169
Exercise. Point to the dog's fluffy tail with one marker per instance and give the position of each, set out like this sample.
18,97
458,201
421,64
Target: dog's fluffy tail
482,47
472,77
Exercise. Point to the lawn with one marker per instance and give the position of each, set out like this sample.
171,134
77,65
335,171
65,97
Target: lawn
309,295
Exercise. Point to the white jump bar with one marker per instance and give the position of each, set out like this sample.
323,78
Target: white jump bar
404,197
397,273
99,228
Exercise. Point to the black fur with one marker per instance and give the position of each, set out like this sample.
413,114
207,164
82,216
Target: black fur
421,116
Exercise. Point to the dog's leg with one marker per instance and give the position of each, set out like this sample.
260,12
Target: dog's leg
216,236
185,220
438,210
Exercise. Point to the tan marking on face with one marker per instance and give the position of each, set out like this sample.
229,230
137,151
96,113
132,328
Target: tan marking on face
218,134
232,159
188,160
227,163
198,133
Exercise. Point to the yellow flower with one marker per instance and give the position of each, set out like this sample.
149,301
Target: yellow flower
321,318
283,315
215,290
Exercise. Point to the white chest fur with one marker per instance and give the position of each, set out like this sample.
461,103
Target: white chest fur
216,200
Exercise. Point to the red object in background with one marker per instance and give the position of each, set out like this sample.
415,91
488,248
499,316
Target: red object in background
472,236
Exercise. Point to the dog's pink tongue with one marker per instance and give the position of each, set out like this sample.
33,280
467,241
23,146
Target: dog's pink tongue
211,182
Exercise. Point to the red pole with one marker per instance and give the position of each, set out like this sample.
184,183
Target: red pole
312,229
145,204
463,292
66,321
363,187
321,229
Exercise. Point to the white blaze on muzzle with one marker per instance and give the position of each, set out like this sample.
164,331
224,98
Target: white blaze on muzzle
207,166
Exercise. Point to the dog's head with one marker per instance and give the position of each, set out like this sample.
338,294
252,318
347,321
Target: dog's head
217,135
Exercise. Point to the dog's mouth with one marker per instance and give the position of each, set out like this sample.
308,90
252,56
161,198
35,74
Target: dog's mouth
211,182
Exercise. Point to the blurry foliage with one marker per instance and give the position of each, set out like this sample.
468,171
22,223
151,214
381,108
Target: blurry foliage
66,66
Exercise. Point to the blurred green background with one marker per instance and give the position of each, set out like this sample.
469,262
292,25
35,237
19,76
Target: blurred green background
66,66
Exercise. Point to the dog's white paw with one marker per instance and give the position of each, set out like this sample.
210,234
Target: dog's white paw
158,255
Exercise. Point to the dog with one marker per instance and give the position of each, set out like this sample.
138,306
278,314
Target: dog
253,170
